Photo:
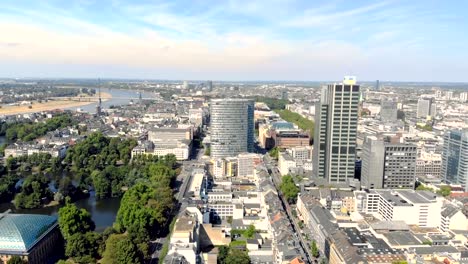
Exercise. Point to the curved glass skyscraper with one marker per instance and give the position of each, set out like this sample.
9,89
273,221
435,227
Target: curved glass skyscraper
232,127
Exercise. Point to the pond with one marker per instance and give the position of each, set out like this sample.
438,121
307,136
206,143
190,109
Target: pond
103,212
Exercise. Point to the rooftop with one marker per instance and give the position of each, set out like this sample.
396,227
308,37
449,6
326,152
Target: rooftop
400,238
20,232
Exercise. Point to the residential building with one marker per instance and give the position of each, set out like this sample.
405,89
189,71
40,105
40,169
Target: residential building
455,158
335,132
232,127
388,165
185,237
426,107
318,219
34,238
452,218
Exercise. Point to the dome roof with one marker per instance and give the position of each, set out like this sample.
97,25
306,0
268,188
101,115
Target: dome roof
20,232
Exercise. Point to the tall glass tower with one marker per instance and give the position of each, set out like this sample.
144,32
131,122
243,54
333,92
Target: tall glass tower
232,127
455,158
335,132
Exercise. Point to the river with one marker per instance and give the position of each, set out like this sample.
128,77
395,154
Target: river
119,97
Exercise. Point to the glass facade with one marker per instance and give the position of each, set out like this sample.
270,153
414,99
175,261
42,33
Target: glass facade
232,127
455,158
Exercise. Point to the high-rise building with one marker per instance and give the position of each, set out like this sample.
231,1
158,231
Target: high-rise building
186,85
377,85
426,107
388,165
455,158
388,111
464,97
209,86
449,95
232,127
284,95
335,131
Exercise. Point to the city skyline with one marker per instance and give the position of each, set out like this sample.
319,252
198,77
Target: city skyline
232,40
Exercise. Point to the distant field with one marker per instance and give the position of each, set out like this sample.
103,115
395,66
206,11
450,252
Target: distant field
47,106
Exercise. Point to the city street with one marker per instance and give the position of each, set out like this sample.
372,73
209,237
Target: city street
181,184
276,177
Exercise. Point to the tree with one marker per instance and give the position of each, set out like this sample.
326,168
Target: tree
121,249
274,152
250,232
444,191
289,188
34,189
16,260
208,151
73,220
223,252
302,122
314,249
83,247
237,257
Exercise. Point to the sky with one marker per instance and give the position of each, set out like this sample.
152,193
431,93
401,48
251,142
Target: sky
304,40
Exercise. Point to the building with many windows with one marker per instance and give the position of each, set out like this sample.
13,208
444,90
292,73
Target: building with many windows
421,208
387,165
388,111
428,165
455,158
232,127
426,107
335,132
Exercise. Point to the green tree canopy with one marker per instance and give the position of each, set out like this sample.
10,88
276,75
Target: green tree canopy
289,188
236,256
83,248
445,190
16,260
121,249
314,249
34,189
73,220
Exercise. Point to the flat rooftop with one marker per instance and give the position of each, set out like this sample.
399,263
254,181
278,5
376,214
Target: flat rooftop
400,238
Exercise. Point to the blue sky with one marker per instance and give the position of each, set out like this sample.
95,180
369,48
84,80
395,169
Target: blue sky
235,40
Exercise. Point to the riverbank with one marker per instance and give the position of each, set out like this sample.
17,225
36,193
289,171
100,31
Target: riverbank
51,105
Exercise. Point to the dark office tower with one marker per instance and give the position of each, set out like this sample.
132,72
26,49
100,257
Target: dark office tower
388,110
455,158
232,127
284,95
335,132
209,86
387,165
377,85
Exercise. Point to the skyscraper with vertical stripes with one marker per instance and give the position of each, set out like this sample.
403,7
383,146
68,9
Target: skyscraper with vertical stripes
335,132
